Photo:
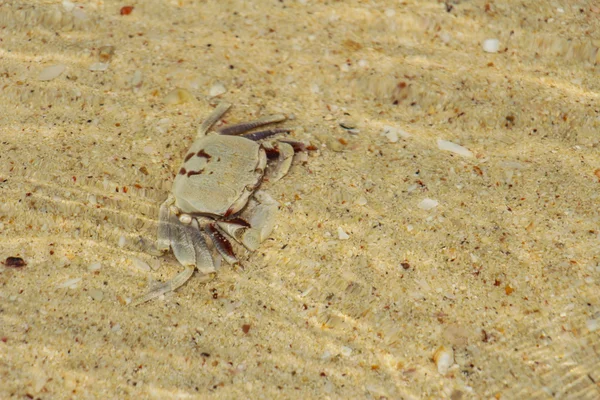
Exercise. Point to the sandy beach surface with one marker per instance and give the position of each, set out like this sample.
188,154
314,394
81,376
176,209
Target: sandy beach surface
441,242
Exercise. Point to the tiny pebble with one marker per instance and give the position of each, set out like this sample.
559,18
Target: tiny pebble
136,79
122,241
593,324
392,133
361,201
341,234
105,53
99,66
96,294
491,45
178,96
51,72
140,264
94,267
217,89
346,351
428,204
69,283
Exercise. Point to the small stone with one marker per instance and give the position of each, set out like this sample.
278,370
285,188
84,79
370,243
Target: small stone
335,145
392,133
428,204
361,201
346,351
137,79
140,264
70,283
51,72
99,66
217,89
94,267
178,96
342,235
96,294
491,45
105,53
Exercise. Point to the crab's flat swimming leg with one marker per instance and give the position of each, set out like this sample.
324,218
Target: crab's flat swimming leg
212,119
242,127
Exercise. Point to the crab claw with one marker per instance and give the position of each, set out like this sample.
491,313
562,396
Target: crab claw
242,232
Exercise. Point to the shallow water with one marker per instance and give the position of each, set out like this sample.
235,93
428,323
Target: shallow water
360,283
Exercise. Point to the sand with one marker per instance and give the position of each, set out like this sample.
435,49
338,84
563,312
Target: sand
387,248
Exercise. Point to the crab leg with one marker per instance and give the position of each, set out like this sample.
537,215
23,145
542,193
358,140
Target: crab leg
166,287
237,129
191,251
212,119
221,243
163,243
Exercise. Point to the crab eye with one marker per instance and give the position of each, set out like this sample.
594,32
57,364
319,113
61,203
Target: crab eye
259,171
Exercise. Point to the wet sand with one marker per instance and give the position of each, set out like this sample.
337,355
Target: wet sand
387,248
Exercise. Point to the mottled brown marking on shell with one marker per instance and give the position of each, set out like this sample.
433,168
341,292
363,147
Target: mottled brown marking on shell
191,173
182,171
188,157
204,154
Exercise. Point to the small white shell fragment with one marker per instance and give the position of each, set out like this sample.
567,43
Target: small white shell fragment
341,234
122,241
443,358
593,324
51,72
94,267
69,283
140,264
99,66
428,204
491,45
454,148
217,89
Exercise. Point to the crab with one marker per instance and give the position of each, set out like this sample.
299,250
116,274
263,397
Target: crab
215,196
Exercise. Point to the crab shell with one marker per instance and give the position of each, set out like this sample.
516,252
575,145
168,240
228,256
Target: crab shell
218,175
